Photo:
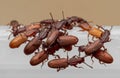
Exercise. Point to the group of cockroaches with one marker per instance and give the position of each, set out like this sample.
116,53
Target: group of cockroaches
46,37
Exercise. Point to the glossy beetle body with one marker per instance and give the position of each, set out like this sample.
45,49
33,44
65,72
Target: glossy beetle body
53,48
67,48
95,32
66,40
18,40
31,33
96,45
38,58
52,37
58,63
36,41
103,56
63,63
92,47
32,45
21,38
33,26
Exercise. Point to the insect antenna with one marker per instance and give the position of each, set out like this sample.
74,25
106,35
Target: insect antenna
52,16
111,28
63,14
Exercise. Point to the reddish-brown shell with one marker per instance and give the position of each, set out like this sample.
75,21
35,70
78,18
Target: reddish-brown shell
103,56
52,37
31,32
67,40
33,26
92,47
85,26
38,58
32,45
18,40
68,47
58,63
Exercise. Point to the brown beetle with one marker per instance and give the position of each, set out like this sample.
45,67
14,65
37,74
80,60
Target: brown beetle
96,45
66,40
80,22
103,56
32,45
36,41
18,40
53,48
15,26
67,48
21,38
58,63
33,26
63,63
52,37
39,58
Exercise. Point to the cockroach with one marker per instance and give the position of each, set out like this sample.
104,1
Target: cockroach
103,56
38,58
63,63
